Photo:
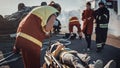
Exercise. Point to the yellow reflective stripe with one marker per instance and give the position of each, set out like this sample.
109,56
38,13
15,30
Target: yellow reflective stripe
74,20
99,17
103,25
105,15
30,38
99,45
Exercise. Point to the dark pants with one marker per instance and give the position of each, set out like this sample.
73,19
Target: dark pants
56,28
88,39
101,36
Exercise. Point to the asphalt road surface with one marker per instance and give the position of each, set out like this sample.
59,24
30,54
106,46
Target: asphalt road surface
109,52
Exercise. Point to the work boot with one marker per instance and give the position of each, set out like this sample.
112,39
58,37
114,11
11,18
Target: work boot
103,44
110,64
99,49
88,49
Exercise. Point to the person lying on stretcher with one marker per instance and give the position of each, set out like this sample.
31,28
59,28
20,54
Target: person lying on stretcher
72,59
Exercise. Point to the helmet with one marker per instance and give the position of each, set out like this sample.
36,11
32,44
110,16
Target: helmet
57,6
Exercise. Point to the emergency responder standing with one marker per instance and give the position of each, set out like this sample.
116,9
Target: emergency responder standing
73,21
88,18
32,31
102,20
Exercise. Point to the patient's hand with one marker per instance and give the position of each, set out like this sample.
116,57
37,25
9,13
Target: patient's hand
58,49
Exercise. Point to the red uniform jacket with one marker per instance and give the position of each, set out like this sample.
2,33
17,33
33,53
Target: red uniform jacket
32,26
88,24
74,22
30,51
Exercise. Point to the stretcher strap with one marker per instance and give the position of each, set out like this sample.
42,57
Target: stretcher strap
30,38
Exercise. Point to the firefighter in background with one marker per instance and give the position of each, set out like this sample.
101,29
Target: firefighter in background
73,21
57,26
32,30
102,20
88,18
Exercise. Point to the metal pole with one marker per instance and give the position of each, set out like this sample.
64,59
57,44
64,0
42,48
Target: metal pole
6,57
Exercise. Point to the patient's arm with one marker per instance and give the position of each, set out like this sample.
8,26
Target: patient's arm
58,49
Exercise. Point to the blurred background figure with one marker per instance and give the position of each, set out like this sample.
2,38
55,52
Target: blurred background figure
21,6
88,18
11,22
102,19
56,26
73,21
43,4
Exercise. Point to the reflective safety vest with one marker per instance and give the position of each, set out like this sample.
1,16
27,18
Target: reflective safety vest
30,38
44,12
73,20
